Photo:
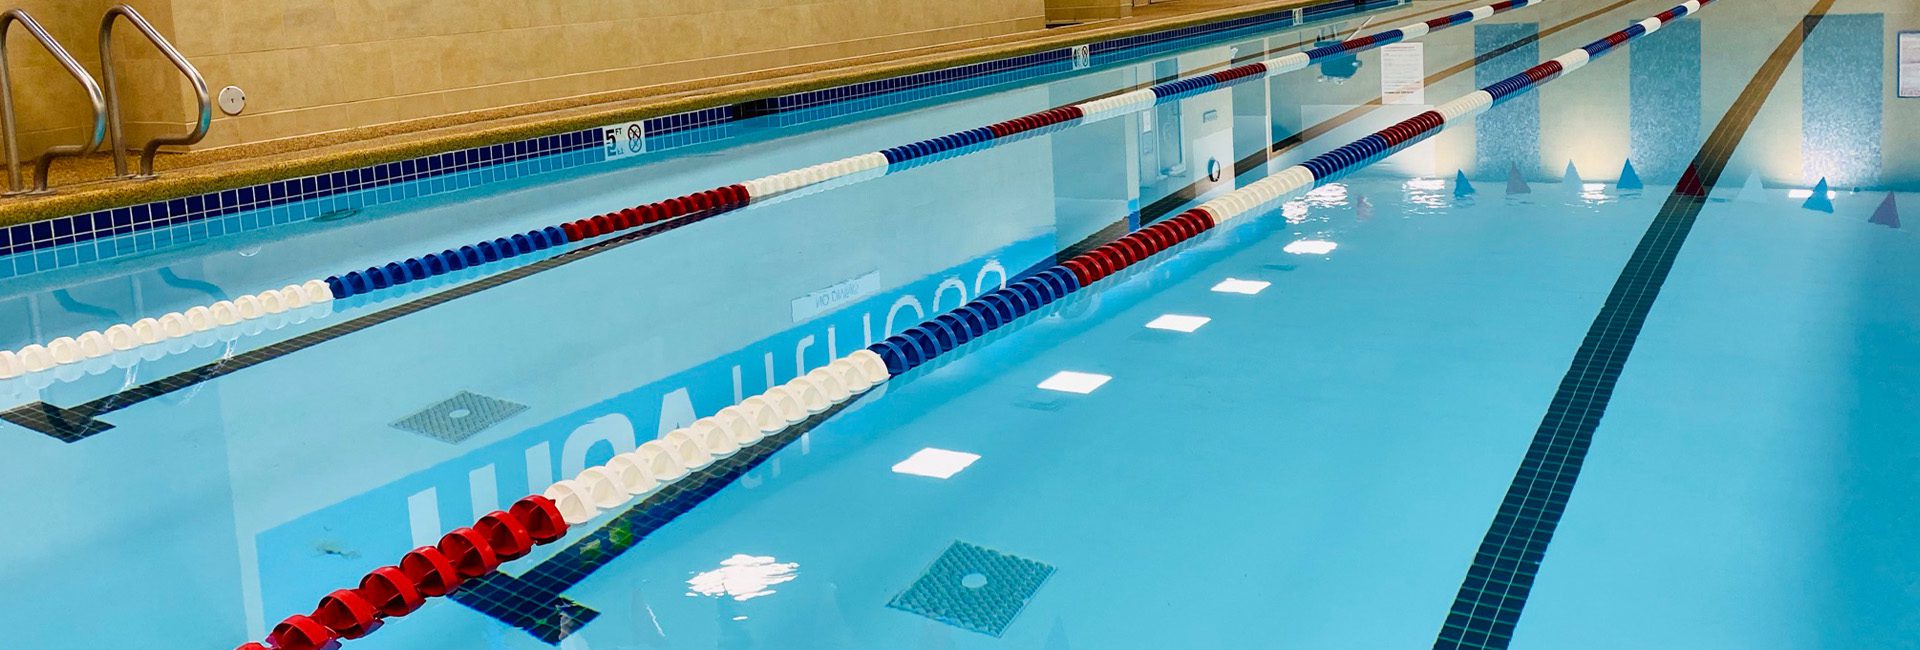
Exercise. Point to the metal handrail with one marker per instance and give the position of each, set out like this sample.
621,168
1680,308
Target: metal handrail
7,20
113,98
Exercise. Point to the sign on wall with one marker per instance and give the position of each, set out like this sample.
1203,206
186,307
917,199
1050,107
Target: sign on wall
1403,74
625,139
1909,64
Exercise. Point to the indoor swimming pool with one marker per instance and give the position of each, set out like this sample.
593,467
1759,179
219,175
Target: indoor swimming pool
1338,410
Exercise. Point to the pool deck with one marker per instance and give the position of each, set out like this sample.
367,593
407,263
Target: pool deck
84,185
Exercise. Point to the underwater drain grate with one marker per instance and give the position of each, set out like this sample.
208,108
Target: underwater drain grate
974,588
459,417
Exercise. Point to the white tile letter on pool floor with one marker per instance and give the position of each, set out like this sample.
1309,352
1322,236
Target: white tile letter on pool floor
1178,323
935,463
1249,287
1068,381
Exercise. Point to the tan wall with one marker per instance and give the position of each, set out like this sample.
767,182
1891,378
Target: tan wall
1076,11
53,109
312,66
49,105
1073,11
319,65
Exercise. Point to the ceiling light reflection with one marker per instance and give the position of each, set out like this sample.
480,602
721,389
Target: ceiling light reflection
1329,194
1311,247
1294,211
1428,193
742,577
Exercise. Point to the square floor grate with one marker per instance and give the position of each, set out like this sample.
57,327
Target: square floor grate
459,417
974,588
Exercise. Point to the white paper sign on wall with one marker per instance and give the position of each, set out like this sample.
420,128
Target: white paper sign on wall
626,139
1910,64
1403,74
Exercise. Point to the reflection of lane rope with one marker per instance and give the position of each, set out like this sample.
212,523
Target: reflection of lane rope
248,328
25,388
94,344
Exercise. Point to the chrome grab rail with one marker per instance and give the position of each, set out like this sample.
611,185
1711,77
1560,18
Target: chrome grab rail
113,98
7,20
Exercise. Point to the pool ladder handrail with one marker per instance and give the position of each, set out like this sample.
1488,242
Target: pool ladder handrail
7,19
166,48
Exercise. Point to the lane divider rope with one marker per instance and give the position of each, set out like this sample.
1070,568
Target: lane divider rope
127,359
918,344
538,519
500,536
146,331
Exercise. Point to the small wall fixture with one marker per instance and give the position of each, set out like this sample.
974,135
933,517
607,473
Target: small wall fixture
233,100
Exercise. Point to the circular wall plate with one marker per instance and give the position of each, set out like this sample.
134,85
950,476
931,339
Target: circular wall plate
232,100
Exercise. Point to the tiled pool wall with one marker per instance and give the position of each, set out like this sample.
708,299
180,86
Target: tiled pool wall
129,230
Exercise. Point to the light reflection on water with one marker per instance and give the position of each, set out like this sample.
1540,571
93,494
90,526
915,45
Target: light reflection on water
742,577
1426,195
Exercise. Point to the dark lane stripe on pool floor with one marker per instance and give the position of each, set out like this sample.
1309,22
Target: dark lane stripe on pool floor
1495,590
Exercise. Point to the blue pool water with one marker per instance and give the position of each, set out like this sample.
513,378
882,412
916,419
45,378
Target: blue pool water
1314,466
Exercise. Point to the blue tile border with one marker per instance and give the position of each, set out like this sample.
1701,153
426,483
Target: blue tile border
285,201
123,231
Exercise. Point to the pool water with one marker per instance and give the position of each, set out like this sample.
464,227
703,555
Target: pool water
1309,417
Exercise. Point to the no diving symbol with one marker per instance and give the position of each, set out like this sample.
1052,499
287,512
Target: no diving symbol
636,138
1213,169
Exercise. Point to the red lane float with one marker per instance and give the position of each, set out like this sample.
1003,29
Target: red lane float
425,572
1091,266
